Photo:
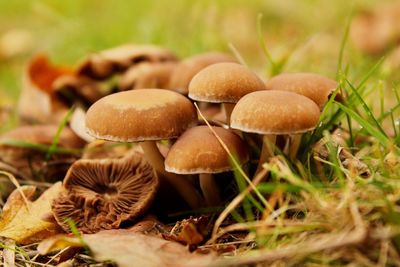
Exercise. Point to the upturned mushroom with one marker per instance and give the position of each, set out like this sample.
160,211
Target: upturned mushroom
198,151
188,68
314,86
146,115
224,83
273,113
104,193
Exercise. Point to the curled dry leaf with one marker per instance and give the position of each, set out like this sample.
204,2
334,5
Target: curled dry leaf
190,231
147,75
22,148
129,249
348,160
108,62
37,101
22,221
102,194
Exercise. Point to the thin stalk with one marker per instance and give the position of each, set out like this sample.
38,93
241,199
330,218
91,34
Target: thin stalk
210,189
183,186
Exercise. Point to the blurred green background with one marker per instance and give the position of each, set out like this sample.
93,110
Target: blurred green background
309,30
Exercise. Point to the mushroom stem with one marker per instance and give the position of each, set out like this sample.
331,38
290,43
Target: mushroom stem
183,186
295,141
228,107
267,150
210,189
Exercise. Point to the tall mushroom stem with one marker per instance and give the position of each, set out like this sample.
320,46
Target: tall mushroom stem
227,108
210,189
267,151
184,187
295,141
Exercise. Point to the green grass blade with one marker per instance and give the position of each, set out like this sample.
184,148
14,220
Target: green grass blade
343,45
264,45
56,137
381,137
365,106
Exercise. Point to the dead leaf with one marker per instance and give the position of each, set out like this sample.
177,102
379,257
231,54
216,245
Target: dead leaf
129,249
23,223
37,101
189,231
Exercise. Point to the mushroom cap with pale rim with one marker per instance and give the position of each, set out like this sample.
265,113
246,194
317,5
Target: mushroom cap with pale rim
199,151
224,83
139,115
314,86
275,112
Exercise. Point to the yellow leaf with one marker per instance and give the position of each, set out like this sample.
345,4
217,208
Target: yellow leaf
23,222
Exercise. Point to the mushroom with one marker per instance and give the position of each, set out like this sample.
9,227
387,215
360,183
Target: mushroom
373,31
198,151
104,193
224,83
273,113
70,89
102,65
145,115
314,86
147,75
188,68
25,149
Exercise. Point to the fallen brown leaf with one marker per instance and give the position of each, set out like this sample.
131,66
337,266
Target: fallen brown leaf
37,101
189,231
22,221
129,249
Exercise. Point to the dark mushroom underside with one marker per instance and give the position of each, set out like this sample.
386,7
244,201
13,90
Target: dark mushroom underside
102,194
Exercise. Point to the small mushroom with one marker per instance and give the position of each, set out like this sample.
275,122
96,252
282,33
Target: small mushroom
146,115
273,113
103,194
188,68
314,86
198,151
224,83
147,75
104,64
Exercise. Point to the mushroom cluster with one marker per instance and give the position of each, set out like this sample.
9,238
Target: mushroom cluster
152,104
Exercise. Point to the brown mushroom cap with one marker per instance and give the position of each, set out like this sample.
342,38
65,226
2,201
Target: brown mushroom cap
198,151
188,68
102,194
105,63
314,86
139,115
275,112
224,83
147,75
